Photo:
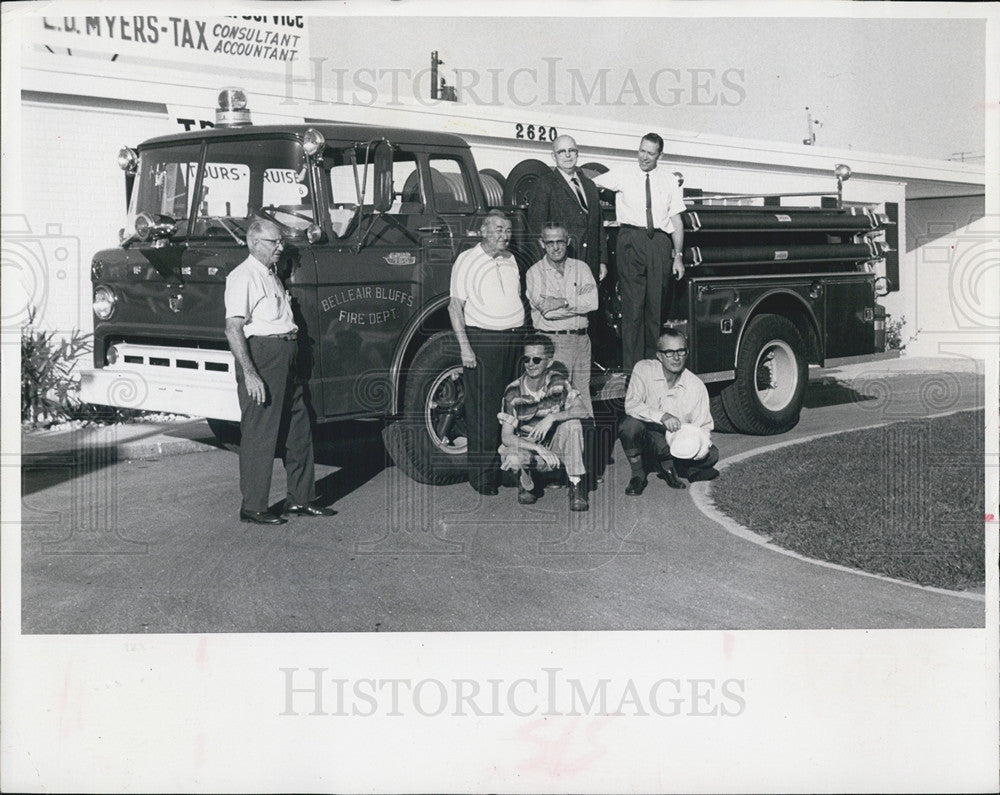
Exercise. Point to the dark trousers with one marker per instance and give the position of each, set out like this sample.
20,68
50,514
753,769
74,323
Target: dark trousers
281,423
642,262
636,434
496,360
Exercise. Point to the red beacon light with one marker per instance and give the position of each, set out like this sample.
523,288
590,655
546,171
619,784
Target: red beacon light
232,110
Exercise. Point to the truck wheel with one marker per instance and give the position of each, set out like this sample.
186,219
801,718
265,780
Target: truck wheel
521,180
227,433
719,417
430,442
771,374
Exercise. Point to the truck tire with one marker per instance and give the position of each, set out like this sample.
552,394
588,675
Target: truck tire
771,375
226,432
521,180
429,444
719,417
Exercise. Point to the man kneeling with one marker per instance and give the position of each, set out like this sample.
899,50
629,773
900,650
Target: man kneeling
667,405
540,423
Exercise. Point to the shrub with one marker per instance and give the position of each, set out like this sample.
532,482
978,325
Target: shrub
894,334
48,387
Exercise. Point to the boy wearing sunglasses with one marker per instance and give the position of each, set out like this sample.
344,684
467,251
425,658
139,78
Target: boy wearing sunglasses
667,406
540,423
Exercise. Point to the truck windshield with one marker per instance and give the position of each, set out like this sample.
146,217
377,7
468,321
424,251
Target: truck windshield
164,182
240,177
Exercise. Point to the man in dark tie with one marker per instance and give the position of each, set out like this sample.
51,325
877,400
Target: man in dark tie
568,196
648,205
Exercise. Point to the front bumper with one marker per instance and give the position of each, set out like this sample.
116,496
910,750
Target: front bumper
200,383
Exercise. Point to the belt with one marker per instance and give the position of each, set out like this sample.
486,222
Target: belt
639,228
291,336
565,331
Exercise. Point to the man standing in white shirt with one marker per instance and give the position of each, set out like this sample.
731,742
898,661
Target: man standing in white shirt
561,291
648,206
664,399
487,316
263,338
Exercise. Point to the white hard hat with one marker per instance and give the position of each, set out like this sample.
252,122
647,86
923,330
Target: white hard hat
688,442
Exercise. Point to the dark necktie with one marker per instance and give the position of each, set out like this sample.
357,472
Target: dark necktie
579,192
649,209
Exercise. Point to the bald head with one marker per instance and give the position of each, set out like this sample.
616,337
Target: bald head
565,153
261,227
264,241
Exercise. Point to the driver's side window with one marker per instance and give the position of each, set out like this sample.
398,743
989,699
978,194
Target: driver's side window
345,177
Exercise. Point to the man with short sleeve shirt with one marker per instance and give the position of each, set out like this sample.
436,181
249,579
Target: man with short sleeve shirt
648,207
263,336
487,316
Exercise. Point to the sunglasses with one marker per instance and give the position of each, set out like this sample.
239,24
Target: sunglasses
533,359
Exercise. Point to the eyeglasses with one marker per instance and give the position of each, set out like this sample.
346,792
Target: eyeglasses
533,359
555,242
567,151
679,353
272,240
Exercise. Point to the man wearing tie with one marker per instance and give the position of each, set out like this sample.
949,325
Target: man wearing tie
648,206
568,196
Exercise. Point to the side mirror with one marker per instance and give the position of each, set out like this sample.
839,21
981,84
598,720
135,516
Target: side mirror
383,177
129,184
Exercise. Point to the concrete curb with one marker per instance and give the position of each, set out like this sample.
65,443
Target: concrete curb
701,494
103,443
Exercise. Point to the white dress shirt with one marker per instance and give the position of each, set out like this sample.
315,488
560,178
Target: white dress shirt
254,292
629,182
649,398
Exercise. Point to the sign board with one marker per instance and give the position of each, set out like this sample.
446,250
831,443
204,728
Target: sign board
233,41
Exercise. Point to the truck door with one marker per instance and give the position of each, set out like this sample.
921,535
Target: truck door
239,178
371,276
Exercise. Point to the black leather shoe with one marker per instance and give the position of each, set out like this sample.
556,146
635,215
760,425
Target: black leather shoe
526,496
486,489
636,486
308,510
672,480
703,474
578,497
260,517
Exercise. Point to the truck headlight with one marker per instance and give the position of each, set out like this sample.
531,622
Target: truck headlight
104,302
128,159
313,141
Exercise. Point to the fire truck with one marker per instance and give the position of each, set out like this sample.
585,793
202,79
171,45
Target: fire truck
373,219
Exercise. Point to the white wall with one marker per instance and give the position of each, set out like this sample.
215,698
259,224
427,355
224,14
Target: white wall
955,280
73,204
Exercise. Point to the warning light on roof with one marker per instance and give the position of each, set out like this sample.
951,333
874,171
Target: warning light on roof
232,110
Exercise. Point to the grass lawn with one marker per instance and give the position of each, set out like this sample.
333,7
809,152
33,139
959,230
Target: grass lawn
906,500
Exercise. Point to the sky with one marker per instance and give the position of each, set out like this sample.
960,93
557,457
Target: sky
902,86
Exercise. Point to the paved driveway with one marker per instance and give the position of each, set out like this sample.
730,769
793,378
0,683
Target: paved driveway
154,546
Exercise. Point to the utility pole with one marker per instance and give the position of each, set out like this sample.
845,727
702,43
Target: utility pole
440,90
